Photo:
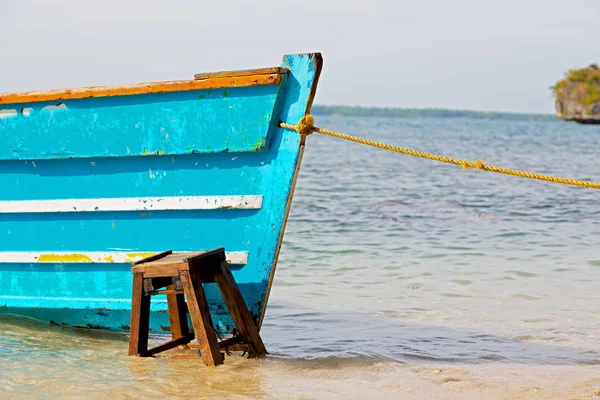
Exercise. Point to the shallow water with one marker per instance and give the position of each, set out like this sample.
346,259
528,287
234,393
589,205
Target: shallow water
398,278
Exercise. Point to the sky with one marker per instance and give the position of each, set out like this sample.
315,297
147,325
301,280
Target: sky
460,54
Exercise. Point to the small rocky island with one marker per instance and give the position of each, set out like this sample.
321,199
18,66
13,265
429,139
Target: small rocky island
578,95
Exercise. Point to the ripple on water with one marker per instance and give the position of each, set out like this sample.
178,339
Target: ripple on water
456,295
527,297
511,234
523,274
594,263
462,281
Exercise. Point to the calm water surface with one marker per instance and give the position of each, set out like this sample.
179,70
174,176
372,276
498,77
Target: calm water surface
398,278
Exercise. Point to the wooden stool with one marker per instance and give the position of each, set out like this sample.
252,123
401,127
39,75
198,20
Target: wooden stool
183,274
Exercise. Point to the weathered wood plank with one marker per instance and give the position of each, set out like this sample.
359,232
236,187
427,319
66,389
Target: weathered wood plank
211,257
171,344
167,292
150,270
140,317
217,82
238,309
154,257
177,313
231,342
248,72
181,261
154,284
201,319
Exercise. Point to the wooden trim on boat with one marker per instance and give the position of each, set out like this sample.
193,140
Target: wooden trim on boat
220,80
248,72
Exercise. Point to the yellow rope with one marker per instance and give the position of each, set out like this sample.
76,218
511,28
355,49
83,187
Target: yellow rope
306,126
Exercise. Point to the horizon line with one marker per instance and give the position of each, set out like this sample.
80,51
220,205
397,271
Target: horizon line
434,109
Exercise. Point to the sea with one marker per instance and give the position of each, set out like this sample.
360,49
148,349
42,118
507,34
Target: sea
399,278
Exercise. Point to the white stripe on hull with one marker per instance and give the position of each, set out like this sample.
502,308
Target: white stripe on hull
233,257
132,204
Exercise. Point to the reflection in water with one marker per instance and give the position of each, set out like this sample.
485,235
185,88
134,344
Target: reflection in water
397,277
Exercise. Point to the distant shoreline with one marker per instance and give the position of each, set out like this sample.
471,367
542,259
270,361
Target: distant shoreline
356,111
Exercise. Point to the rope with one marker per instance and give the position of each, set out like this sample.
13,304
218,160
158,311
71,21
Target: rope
306,127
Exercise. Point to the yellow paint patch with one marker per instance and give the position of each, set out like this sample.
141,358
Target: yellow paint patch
59,258
109,259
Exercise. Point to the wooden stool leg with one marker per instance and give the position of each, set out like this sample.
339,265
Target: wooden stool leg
201,319
177,314
140,317
237,308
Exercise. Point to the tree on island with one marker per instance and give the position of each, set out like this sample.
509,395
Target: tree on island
578,95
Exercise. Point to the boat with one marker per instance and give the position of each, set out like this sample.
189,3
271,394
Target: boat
95,178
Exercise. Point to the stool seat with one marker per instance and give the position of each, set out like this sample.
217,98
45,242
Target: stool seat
182,276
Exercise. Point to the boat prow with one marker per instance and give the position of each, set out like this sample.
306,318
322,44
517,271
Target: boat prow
95,178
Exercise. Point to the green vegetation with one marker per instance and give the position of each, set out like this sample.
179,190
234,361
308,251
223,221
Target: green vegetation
425,113
579,85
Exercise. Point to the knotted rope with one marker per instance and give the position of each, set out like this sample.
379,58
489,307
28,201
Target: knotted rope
306,126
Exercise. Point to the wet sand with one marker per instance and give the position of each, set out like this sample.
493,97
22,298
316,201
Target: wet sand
57,362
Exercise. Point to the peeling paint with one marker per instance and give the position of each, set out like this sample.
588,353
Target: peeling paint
260,144
233,257
60,258
167,126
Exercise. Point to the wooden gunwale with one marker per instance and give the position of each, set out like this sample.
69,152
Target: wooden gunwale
259,77
248,72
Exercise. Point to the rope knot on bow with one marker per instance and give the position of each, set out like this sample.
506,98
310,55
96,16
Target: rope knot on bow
306,126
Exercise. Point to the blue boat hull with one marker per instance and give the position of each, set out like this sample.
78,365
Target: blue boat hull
93,183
